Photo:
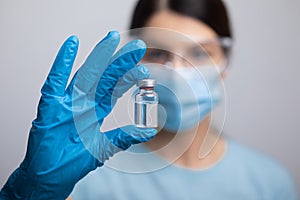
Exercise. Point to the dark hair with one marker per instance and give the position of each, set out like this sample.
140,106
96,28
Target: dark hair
211,12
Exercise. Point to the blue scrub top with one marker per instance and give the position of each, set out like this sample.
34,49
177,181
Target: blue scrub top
241,174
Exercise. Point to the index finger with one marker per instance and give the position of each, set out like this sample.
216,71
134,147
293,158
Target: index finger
58,76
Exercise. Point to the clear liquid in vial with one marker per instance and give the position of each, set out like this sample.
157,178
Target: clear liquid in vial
145,114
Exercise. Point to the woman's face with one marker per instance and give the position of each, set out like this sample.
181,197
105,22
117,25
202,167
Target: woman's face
187,55
202,51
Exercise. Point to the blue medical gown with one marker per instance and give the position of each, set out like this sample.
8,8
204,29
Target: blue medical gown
242,174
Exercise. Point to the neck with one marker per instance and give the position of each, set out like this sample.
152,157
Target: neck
198,148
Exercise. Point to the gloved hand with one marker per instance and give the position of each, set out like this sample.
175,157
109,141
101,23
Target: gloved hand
65,142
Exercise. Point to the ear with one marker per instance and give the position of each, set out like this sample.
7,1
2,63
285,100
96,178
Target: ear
224,74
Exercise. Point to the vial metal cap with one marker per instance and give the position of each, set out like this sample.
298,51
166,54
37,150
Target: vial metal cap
146,83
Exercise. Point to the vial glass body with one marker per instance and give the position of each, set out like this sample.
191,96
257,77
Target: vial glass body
146,103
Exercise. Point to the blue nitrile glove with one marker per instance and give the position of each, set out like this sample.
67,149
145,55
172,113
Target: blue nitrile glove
65,142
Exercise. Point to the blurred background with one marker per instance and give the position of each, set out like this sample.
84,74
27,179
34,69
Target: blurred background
262,87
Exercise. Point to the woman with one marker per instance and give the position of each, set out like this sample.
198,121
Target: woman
227,170
64,141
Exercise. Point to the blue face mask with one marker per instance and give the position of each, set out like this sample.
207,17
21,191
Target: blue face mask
186,95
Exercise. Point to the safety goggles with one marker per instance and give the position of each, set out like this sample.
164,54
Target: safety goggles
201,53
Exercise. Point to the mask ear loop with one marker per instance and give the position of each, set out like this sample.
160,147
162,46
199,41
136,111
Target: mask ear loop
222,68
213,135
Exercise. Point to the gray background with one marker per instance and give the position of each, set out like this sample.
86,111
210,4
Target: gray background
262,87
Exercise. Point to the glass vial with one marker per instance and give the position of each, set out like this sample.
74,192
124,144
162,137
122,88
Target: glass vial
146,103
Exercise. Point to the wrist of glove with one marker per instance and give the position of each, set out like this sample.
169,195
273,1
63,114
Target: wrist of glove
19,186
24,185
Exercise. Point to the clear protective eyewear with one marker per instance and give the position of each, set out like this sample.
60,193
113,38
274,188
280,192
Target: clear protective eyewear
206,52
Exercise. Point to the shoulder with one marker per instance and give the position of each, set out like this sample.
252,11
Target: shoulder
254,159
262,170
